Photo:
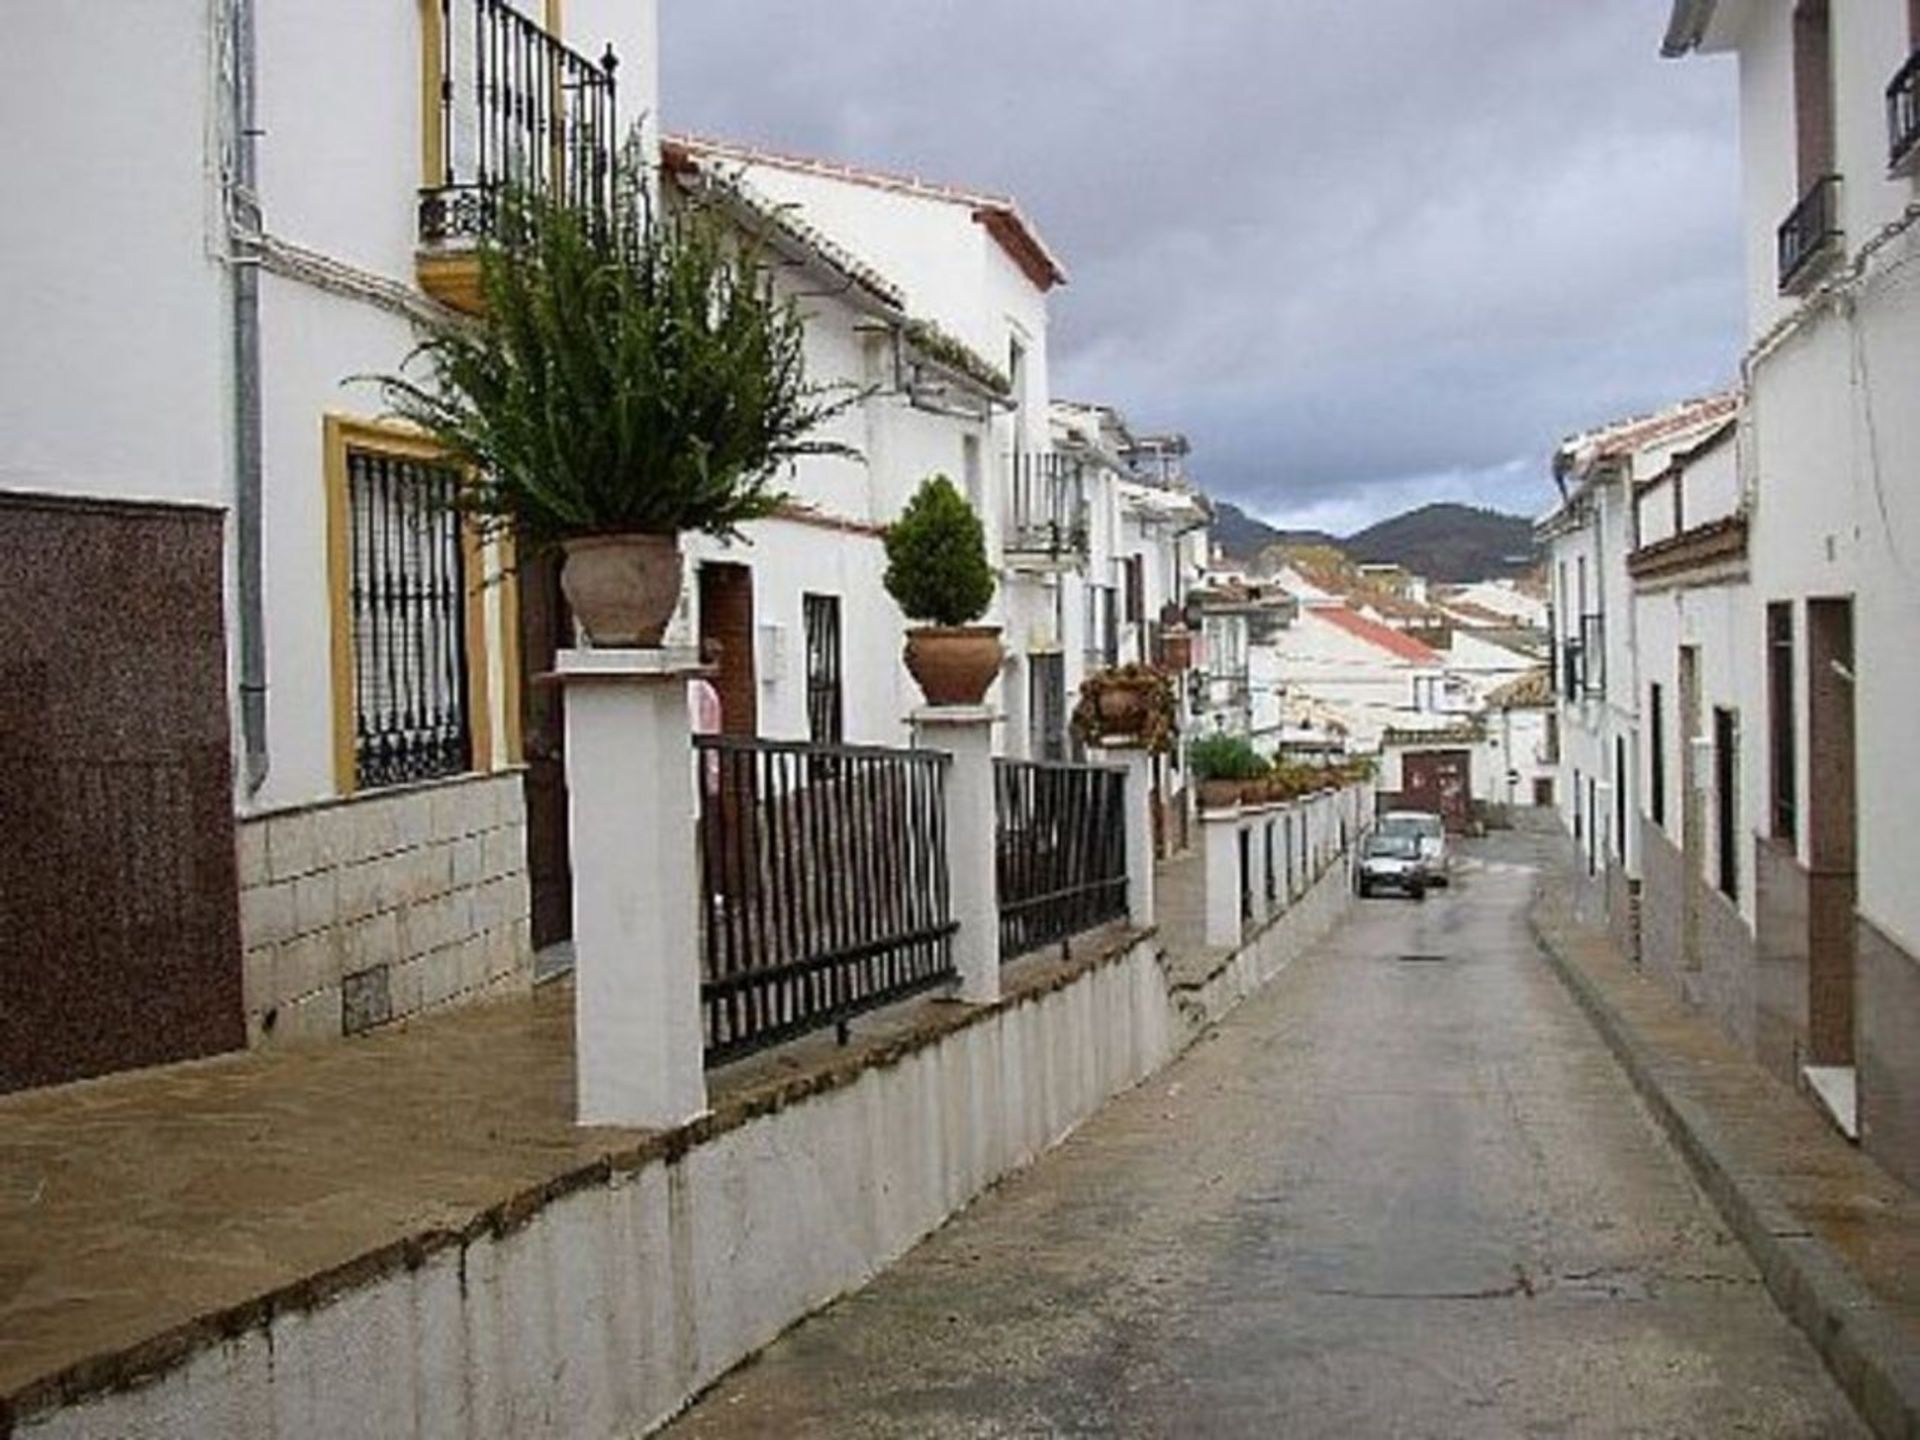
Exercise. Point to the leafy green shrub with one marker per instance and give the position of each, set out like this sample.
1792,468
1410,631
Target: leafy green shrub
937,567
1225,757
627,375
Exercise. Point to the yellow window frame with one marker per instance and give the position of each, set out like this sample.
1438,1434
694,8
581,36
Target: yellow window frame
342,433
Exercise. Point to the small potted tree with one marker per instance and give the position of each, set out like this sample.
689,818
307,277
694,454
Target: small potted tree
630,377
937,573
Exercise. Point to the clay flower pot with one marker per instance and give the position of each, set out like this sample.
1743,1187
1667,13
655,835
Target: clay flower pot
1176,650
954,665
622,588
1219,794
1123,710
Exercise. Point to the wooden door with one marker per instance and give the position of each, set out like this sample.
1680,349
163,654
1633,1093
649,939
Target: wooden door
1440,782
546,627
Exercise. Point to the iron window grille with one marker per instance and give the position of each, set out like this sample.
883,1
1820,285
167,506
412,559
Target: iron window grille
1780,715
406,595
518,108
1047,706
1048,513
826,706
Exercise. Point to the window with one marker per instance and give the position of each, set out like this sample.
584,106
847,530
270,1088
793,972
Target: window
826,721
408,668
1657,754
1047,707
970,471
1781,747
1135,572
1726,798
1620,798
1813,91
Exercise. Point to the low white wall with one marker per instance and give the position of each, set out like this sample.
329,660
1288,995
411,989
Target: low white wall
612,1306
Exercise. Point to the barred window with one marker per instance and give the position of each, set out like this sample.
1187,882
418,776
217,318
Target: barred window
406,596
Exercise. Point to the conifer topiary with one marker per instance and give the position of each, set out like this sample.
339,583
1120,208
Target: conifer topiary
937,569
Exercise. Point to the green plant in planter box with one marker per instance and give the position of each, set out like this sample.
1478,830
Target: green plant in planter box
937,569
631,374
1225,757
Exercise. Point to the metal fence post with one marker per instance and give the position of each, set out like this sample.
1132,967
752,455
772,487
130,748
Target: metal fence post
637,1035
965,732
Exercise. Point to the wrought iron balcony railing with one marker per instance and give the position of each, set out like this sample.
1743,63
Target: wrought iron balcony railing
1810,237
516,107
1903,118
1047,513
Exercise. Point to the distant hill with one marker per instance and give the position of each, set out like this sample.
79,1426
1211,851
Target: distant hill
1244,537
1445,542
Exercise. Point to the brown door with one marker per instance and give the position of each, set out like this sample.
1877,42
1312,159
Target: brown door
1440,782
726,640
1543,790
545,627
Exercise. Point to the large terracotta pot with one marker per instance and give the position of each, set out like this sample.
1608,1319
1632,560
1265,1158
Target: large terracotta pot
954,665
1176,650
1219,794
622,588
1123,709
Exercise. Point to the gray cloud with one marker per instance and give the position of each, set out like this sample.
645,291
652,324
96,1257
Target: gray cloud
1366,252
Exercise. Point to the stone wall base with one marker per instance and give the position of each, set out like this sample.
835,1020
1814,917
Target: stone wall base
1887,1051
359,912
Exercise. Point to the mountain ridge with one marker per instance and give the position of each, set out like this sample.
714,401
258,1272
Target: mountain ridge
1445,541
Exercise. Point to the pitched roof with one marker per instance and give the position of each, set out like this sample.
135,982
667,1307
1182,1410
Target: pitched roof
1531,691
1384,637
998,215
1627,437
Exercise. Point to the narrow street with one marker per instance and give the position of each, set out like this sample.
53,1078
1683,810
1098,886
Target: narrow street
1404,1191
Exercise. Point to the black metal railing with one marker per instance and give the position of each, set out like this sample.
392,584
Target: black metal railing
519,108
1903,115
1810,235
1061,851
406,598
823,885
1047,510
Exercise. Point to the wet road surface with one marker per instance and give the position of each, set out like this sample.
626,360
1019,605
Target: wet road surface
1403,1191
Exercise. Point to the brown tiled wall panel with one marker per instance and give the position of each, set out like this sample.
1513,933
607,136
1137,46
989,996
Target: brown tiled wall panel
1720,979
1887,1053
118,936
1780,980
368,910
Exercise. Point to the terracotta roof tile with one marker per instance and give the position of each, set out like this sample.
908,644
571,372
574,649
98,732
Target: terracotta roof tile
1384,637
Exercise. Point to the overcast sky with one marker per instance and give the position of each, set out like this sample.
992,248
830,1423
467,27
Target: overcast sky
1366,253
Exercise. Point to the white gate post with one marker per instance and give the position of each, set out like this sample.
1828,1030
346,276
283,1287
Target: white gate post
1138,810
638,1047
965,733
1220,841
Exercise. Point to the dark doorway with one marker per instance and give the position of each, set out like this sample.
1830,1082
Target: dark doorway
119,898
1047,707
1831,831
1543,790
546,627
726,639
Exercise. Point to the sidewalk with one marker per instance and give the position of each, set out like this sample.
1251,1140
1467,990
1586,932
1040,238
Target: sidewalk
1836,1238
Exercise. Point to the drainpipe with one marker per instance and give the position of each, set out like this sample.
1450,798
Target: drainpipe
243,230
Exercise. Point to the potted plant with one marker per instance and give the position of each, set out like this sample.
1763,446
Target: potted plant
937,573
1225,765
630,377
1130,702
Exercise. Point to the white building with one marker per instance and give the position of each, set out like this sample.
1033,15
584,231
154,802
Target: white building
243,207
1588,537
1830,436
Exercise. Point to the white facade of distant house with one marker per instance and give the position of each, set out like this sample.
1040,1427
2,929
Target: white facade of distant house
972,266
1482,665
123,236
1588,537
1502,597
1368,678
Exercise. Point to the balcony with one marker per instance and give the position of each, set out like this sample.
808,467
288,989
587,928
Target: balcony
1046,518
1810,239
508,105
1903,118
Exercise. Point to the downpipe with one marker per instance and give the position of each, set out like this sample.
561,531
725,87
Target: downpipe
243,234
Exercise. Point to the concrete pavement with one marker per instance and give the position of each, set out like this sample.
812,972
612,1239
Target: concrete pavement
1404,1191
